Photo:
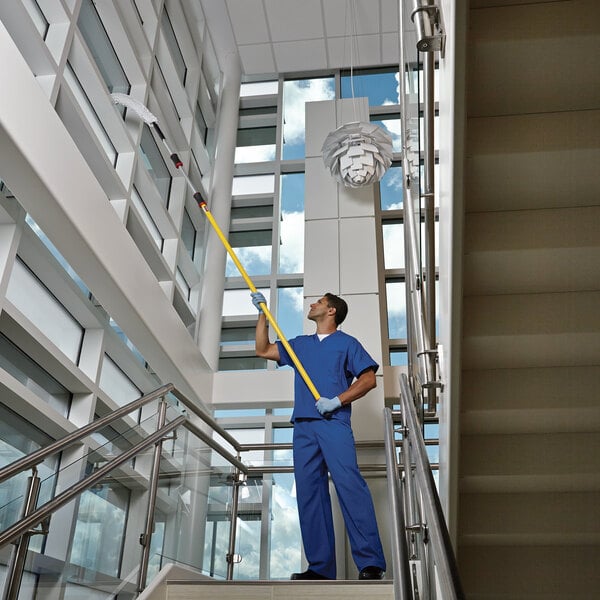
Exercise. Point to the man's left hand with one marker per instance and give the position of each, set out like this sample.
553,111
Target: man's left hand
328,405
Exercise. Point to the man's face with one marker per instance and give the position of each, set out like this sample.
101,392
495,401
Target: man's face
320,308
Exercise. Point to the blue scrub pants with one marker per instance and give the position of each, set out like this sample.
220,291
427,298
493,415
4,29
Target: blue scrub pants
322,446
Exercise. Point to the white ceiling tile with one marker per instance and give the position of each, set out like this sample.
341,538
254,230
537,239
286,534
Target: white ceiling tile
338,50
248,21
389,16
294,19
339,17
390,48
257,59
367,51
300,56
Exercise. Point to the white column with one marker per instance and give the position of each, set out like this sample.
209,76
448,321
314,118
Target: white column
340,222
340,256
219,203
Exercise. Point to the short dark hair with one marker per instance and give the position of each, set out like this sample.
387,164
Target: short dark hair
341,308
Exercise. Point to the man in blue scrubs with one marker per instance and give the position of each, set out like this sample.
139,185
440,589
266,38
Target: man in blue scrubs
343,372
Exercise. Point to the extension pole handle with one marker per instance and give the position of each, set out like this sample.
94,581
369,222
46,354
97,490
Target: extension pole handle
264,307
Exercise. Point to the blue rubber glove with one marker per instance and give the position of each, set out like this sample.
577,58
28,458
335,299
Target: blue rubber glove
257,298
328,405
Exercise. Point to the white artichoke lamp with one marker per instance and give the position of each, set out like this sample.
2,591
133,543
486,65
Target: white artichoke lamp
357,154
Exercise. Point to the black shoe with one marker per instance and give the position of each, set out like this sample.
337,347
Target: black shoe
371,573
308,574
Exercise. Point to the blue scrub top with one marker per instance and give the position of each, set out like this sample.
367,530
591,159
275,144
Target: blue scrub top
332,364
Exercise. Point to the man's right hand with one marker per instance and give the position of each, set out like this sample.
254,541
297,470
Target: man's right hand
257,299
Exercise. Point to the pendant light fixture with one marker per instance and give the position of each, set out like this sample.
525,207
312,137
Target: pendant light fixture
357,153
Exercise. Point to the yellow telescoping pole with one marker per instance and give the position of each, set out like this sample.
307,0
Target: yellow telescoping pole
270,318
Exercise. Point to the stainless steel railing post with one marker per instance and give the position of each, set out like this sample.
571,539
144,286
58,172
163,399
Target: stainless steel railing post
402,587
232,559
146,536
17,560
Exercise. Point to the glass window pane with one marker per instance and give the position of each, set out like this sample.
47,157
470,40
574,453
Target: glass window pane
393,245
256,136
396,309
291,250
34,300
59,257
398,358
239,303
260,88
255,144
286,544
188,233
295,94
253,184
136,353
119,388
155,233
380,86
102,50
391,124
155,165
90,113
290,311
237,336
242,363
173,44
256,260
390,189
96,546
32,376
19,438
251,212
37,16
201,123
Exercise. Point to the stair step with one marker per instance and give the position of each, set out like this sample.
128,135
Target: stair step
511,47
529,519
280,590
533,161
531,330
556,455
530,572
543,388
532,251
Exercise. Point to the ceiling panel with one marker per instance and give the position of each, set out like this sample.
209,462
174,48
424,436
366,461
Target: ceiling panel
305,55
342,20
257,59
302,35
294,20
248,21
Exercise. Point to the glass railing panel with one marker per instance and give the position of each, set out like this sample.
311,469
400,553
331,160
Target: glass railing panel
99,556
248,532
75,463
192,522
284,534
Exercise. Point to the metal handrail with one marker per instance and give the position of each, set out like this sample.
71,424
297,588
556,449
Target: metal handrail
414,301
22,529
439,538
33,459
36,517
402,589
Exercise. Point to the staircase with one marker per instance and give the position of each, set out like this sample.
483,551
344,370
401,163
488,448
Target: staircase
529,479
177,583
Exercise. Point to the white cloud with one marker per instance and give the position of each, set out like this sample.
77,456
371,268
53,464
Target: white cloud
292,240
246,154
296,94
394,247
296,297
